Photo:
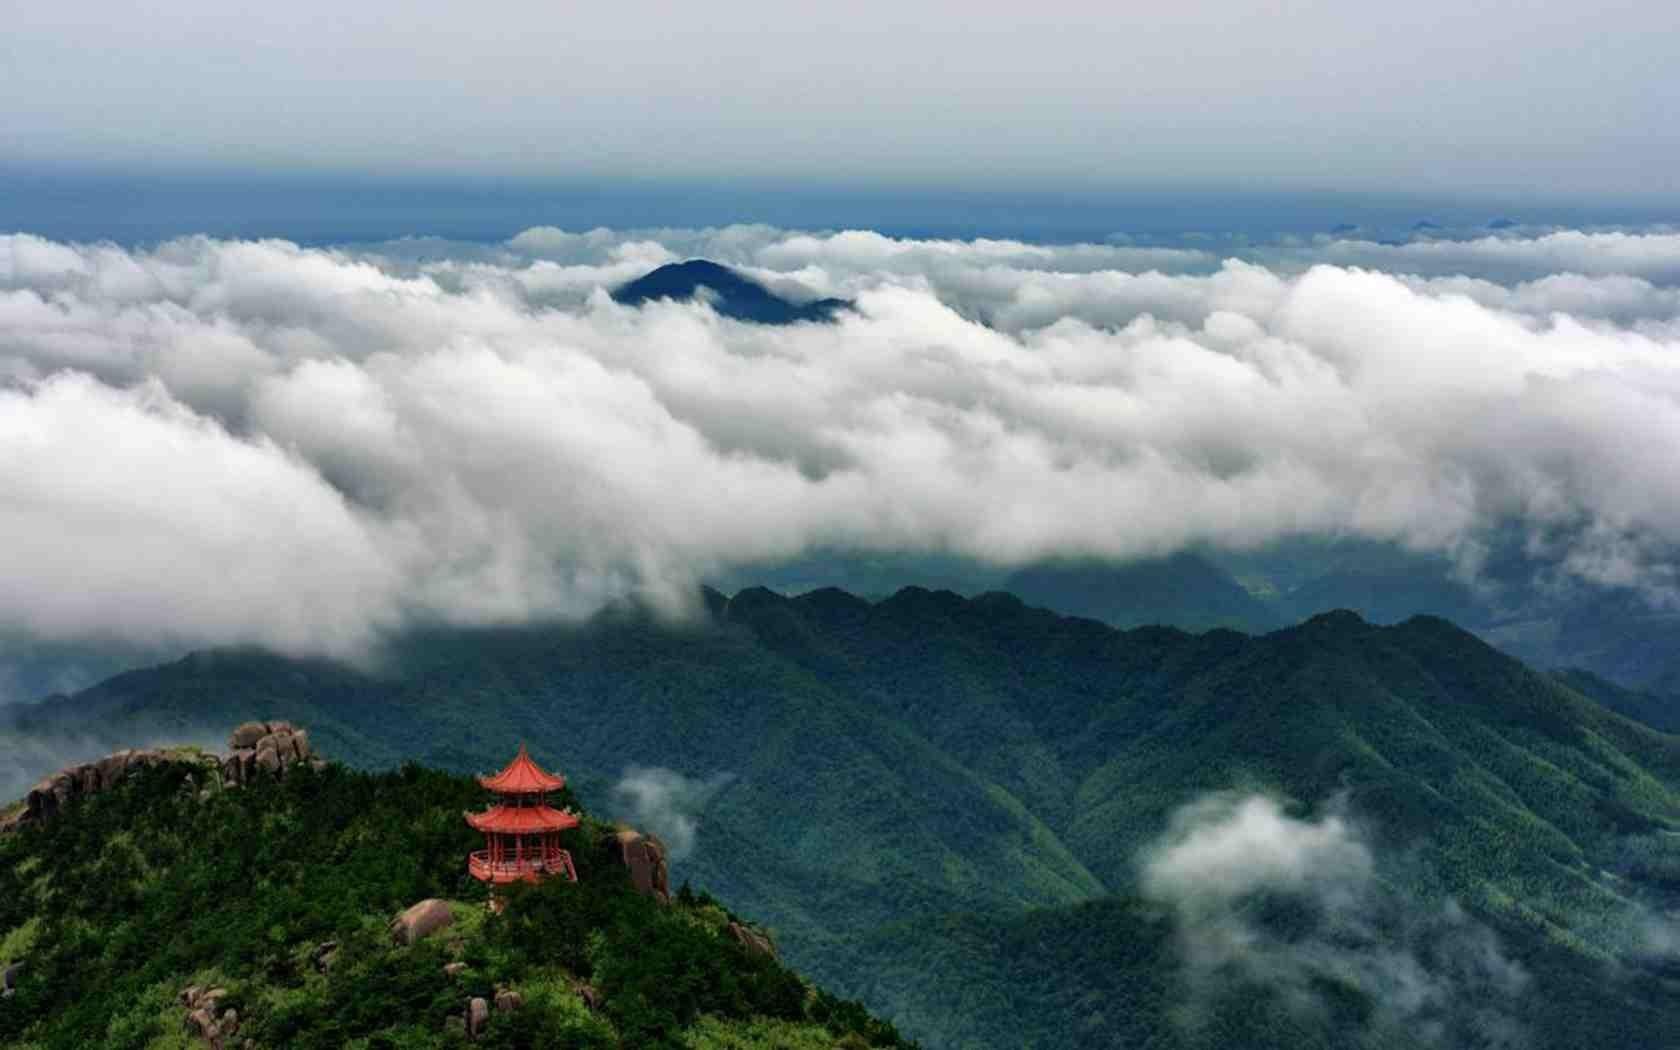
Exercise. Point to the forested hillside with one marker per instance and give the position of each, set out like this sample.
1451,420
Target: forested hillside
879,771
278,893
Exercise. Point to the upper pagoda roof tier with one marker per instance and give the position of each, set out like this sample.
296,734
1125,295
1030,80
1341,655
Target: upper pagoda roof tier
523,777
522,820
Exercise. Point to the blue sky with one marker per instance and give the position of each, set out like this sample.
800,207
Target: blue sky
1505,96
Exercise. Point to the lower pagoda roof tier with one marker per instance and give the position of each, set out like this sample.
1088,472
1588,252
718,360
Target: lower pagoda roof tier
522,820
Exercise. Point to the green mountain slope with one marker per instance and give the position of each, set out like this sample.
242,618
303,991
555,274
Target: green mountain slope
279,893
898,762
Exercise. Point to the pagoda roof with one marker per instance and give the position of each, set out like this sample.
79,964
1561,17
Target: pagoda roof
523,777
522,820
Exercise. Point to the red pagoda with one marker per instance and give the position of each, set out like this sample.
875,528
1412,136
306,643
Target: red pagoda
521,831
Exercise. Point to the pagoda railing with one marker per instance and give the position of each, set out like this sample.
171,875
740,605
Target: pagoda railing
531,863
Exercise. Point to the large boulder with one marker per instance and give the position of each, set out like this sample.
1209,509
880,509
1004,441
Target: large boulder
643,856
478,1015
508,1001
9,979
247,735
421,919
752,939
202,1023
268,759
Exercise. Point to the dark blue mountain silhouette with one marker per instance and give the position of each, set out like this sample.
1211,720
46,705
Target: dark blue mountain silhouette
730,294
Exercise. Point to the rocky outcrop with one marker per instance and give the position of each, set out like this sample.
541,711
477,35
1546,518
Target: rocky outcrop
644,857
265,747
752,939
420,919
206,1020
9,980
507,1001
53,794
278,746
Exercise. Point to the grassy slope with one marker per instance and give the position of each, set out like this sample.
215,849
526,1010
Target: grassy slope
140,892
928,755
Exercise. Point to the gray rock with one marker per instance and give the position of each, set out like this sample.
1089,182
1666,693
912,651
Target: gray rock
421,919
644,857
507,1002
9,977
112,768
247,735
454,969
202,1023
268,759
753,940
39,802
478,1015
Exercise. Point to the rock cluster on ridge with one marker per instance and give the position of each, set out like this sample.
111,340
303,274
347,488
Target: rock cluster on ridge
53,793
267,746
270,747
206,1020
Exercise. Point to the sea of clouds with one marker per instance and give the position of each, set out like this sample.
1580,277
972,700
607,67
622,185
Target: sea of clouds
210,442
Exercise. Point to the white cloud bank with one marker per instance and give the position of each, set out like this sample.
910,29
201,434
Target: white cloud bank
214,442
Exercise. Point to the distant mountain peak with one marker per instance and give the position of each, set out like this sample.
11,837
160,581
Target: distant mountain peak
730,293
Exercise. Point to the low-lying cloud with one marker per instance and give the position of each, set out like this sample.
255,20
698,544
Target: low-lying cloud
1298,910
666,803
231,441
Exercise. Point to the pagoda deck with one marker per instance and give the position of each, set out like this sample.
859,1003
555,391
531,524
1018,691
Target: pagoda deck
532,864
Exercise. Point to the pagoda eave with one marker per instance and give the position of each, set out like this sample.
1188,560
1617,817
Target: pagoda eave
522,820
